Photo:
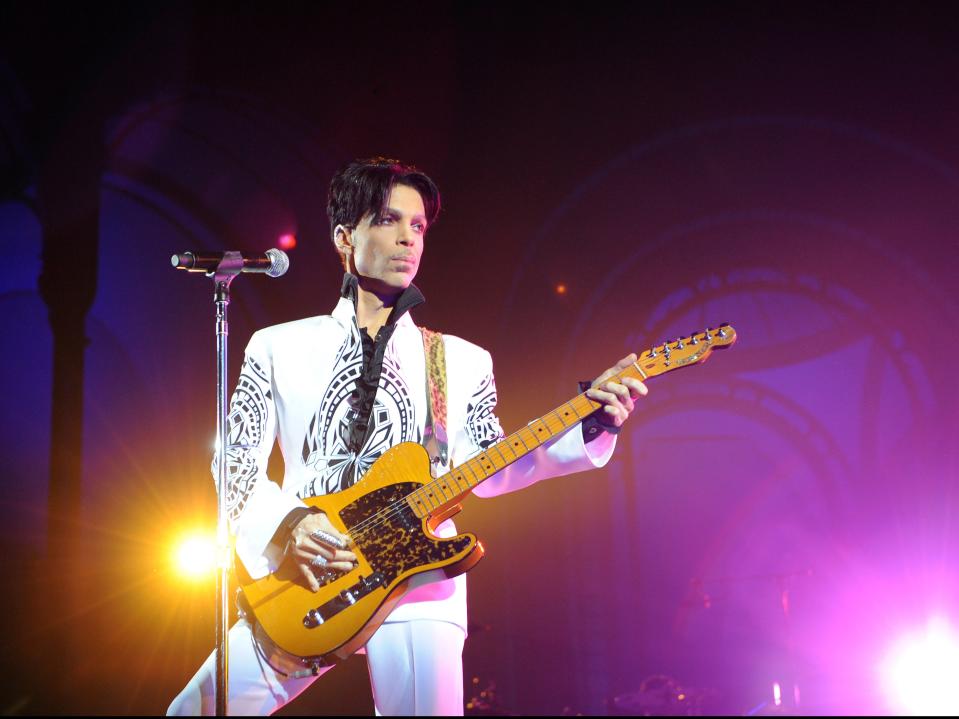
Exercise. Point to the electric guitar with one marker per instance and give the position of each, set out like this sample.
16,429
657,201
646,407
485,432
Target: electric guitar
390,516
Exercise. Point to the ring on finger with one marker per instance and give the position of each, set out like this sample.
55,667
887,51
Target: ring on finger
327,538
319,561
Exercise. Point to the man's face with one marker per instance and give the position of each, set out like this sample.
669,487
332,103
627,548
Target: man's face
386,251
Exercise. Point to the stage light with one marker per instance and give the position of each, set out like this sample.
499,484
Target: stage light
286,241
561,289
195,556
920,674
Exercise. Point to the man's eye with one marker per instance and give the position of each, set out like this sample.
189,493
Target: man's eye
384,220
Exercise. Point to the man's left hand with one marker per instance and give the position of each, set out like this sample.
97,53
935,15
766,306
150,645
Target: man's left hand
617,398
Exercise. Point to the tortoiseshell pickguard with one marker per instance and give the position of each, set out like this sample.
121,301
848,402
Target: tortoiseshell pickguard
391,537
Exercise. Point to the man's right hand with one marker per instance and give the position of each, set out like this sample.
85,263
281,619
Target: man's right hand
313,547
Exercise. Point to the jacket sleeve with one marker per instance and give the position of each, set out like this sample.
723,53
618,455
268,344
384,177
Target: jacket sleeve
255,504
564,454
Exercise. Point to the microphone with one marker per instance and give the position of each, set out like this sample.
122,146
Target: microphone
273,262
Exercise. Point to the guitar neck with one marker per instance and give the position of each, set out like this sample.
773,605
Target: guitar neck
458,482
451,487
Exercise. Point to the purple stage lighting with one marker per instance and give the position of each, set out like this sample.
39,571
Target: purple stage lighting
920,674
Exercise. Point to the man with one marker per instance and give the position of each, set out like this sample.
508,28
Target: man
338,391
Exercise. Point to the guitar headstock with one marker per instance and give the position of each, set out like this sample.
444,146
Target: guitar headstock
685,351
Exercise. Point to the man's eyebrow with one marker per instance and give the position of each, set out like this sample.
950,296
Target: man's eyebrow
394,211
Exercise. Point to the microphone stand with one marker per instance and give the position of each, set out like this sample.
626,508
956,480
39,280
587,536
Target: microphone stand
229,267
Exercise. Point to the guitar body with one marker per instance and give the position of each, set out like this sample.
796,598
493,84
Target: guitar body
392,545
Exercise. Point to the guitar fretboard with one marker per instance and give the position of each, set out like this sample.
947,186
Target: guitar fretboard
452,486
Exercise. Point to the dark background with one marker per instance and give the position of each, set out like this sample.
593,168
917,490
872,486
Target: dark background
788,168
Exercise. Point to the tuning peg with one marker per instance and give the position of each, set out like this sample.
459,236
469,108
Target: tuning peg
653,352
679,343
722,331
666,348
692,339
708,337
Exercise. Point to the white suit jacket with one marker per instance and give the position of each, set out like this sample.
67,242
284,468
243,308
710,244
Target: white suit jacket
294,386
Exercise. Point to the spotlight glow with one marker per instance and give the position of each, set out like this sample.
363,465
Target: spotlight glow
195,556
921,672
286,241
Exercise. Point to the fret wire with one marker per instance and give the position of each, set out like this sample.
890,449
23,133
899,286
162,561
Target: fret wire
537,436
493,459
490,466
443,487
487,467
483,470
547,419
420,496
559,418
529,440
506,461
538,431
476,470
572,410
459,489
519,438
472,482
418,505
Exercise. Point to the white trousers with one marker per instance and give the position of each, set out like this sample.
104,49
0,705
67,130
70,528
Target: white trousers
416,668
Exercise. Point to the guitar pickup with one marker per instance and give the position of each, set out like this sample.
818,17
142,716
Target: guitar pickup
346,598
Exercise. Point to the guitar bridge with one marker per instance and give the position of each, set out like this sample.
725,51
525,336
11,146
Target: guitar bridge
347,598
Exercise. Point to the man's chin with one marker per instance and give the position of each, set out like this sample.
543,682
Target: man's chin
393,284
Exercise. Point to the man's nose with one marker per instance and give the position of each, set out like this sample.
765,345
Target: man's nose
406,236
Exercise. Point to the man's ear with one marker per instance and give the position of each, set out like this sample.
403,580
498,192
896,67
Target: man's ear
343,239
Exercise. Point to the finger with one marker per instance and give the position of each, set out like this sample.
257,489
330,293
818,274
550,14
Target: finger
637,388
331,538
616,414
344,556
615,369
320,563
601,395
310,548
621,391
616,388
310,578
626,361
